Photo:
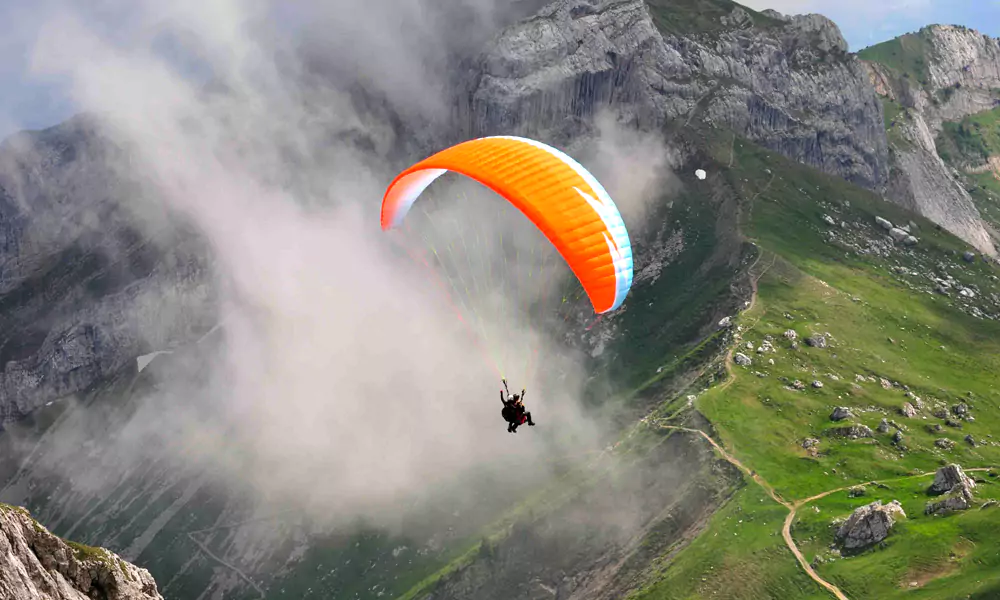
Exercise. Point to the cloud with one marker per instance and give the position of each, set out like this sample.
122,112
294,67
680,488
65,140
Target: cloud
345,380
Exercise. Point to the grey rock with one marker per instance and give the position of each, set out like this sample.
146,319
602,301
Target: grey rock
816,341
840,413
852,432
790,334
869,524
36,565
742,359
883,223
817,384
86,287
969,256
954,502
910,241
810,443
883,426
898,235
908,410
944,443
949,476
783,86
829,220
963,62
960,408
897,438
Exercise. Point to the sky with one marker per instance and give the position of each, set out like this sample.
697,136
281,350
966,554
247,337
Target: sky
28,101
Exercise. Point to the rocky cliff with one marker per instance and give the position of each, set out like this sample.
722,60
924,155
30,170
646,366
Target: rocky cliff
36,565
84,288
784,82
941,73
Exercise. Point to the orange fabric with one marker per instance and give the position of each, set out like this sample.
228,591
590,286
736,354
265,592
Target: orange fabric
541,185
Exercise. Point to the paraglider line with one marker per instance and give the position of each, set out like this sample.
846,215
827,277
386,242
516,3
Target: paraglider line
454,308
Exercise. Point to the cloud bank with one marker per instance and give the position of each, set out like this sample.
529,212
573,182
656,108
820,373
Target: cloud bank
344,382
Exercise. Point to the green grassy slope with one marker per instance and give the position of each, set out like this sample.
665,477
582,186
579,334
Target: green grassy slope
884,322
693,17
906,55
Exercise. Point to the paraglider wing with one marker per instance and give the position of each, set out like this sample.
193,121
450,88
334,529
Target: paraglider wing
555,192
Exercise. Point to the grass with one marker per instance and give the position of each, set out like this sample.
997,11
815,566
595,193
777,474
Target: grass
880,327
883,323
687,17
740,555
906,55
950,556
894,116
972,140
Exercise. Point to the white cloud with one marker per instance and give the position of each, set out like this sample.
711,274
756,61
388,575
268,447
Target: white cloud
345,383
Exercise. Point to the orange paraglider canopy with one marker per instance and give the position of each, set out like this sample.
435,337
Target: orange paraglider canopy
552,190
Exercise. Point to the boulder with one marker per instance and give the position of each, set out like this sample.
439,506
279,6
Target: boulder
816,341
949,476
898,235
869,524
840,413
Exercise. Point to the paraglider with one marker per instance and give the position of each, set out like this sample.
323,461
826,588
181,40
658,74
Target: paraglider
556,193
513,410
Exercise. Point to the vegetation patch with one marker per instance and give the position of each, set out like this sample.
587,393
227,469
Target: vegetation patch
687,17
905,55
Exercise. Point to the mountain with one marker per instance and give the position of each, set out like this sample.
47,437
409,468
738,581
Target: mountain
84,286
788,227
786,83
37,565
938,75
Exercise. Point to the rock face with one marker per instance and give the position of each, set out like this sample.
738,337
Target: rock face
962,72
36,565
869,524
83,288
787,84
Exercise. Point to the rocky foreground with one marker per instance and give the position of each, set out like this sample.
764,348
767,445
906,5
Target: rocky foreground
36,565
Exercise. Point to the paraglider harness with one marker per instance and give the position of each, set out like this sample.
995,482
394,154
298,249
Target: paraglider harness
513,409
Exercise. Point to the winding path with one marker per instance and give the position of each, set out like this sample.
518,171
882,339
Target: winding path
793,507
786,529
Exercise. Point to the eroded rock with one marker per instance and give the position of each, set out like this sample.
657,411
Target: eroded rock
869,524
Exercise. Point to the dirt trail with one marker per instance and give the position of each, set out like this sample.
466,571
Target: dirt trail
786,530
793,507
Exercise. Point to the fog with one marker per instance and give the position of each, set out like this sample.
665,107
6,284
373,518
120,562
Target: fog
344,383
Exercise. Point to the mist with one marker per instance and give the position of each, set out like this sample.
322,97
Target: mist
344,384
